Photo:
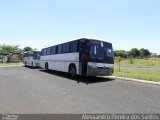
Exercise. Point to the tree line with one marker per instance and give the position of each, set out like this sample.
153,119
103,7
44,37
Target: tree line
9,50
133,53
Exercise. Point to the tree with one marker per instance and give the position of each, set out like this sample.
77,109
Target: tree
144,53
27,49
121,53
9,50
17,49
134,52
118,61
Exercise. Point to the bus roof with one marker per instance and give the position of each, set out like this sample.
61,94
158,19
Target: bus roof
93,39
78,40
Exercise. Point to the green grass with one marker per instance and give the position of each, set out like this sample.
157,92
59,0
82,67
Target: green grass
150,75
10,64
141,62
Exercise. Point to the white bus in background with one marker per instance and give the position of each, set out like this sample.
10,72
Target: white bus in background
86,57
31,58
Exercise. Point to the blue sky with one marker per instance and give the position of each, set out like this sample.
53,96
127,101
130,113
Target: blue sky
39,23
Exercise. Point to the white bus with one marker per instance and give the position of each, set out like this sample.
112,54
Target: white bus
86,57
31,58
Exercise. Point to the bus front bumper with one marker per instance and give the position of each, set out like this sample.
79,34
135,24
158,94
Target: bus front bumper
99,71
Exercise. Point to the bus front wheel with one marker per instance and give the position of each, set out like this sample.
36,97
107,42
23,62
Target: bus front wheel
72,70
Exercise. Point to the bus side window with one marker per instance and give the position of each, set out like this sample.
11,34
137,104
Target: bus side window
59,49
38,55
53,50
34,54
48,51
74,46
66,48
41,53
71,47
45,51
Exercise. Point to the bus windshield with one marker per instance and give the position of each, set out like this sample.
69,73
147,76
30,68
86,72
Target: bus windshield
36,55
99,50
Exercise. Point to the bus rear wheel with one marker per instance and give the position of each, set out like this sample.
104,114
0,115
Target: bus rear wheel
72,70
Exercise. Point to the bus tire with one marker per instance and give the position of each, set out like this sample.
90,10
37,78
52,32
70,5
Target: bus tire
46,66
72,70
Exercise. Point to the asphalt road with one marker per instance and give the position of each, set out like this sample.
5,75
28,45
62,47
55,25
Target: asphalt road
26,90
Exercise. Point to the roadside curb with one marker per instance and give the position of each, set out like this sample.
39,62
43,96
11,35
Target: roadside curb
135,80
11,66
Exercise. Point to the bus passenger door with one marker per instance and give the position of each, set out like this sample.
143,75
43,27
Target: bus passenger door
83,55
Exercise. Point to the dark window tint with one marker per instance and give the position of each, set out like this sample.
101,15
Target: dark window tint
38,55
108,50
31,54
44,51
25,55
96,50
48,51
74,46
53,50
41,53
59,49
65,48
34,55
